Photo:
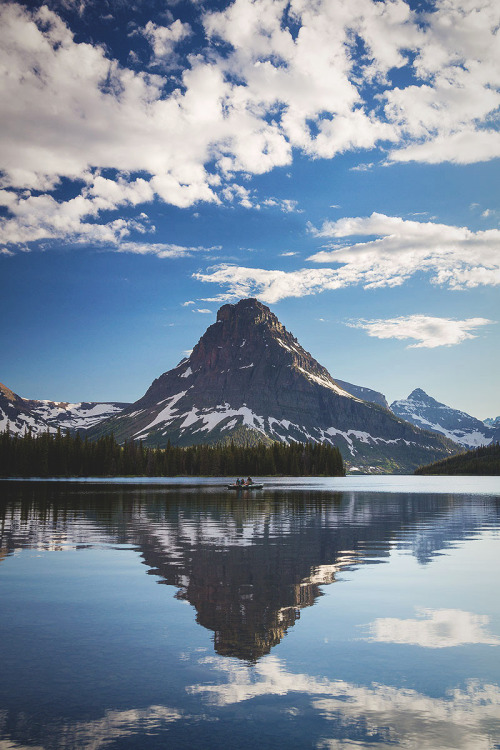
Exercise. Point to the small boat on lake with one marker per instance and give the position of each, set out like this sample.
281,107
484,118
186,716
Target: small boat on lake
253,486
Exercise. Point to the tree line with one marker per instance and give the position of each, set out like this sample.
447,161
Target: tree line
484,460
64,455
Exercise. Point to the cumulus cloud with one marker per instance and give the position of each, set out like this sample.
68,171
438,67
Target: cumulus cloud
429,332
438,628
37,217
164,40
454,256
286,205
290,77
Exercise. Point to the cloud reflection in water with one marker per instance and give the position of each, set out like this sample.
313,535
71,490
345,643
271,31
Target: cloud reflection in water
467,719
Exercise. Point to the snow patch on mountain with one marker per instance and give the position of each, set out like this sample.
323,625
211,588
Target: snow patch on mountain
326,383
20,423
165,415
78,416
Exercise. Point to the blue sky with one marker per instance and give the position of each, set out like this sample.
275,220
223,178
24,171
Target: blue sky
337,160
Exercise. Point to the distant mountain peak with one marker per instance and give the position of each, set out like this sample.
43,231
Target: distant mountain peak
424,411
418,394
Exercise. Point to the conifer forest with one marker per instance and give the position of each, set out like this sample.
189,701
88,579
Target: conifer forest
65,455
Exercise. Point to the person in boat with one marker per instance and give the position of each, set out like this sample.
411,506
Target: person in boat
249,480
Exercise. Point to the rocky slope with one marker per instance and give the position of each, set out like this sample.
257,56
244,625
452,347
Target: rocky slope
249,379
424,411
366,394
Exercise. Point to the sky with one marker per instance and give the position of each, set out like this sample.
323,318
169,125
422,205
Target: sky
337,160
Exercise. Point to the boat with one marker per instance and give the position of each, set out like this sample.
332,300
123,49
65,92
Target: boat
253,486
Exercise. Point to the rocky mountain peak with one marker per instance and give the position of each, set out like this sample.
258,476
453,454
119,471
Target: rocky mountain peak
7,393
419,395
249,335
249,311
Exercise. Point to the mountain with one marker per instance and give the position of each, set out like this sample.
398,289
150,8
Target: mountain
17,414
79,416
492,422
248,379
424,411
39,416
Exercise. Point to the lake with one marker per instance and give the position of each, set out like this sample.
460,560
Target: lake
351,613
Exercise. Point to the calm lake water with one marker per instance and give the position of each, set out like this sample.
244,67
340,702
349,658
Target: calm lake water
336,614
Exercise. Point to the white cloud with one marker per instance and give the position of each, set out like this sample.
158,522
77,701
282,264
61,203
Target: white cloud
38,217
69,110
465,147
454,256
268,285
241,195
161,250
284,204
363,167
288,254
434,628
429,332
164,39
187,303
205,311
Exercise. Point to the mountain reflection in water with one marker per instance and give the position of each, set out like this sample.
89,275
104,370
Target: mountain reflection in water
248,566
398,644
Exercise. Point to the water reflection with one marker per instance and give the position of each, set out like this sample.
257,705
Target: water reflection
440,628
466,719
101,657
250,566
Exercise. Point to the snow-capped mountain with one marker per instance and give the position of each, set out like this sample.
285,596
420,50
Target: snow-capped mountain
20,414
492,422
424,411
249,379
17,414
80,416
